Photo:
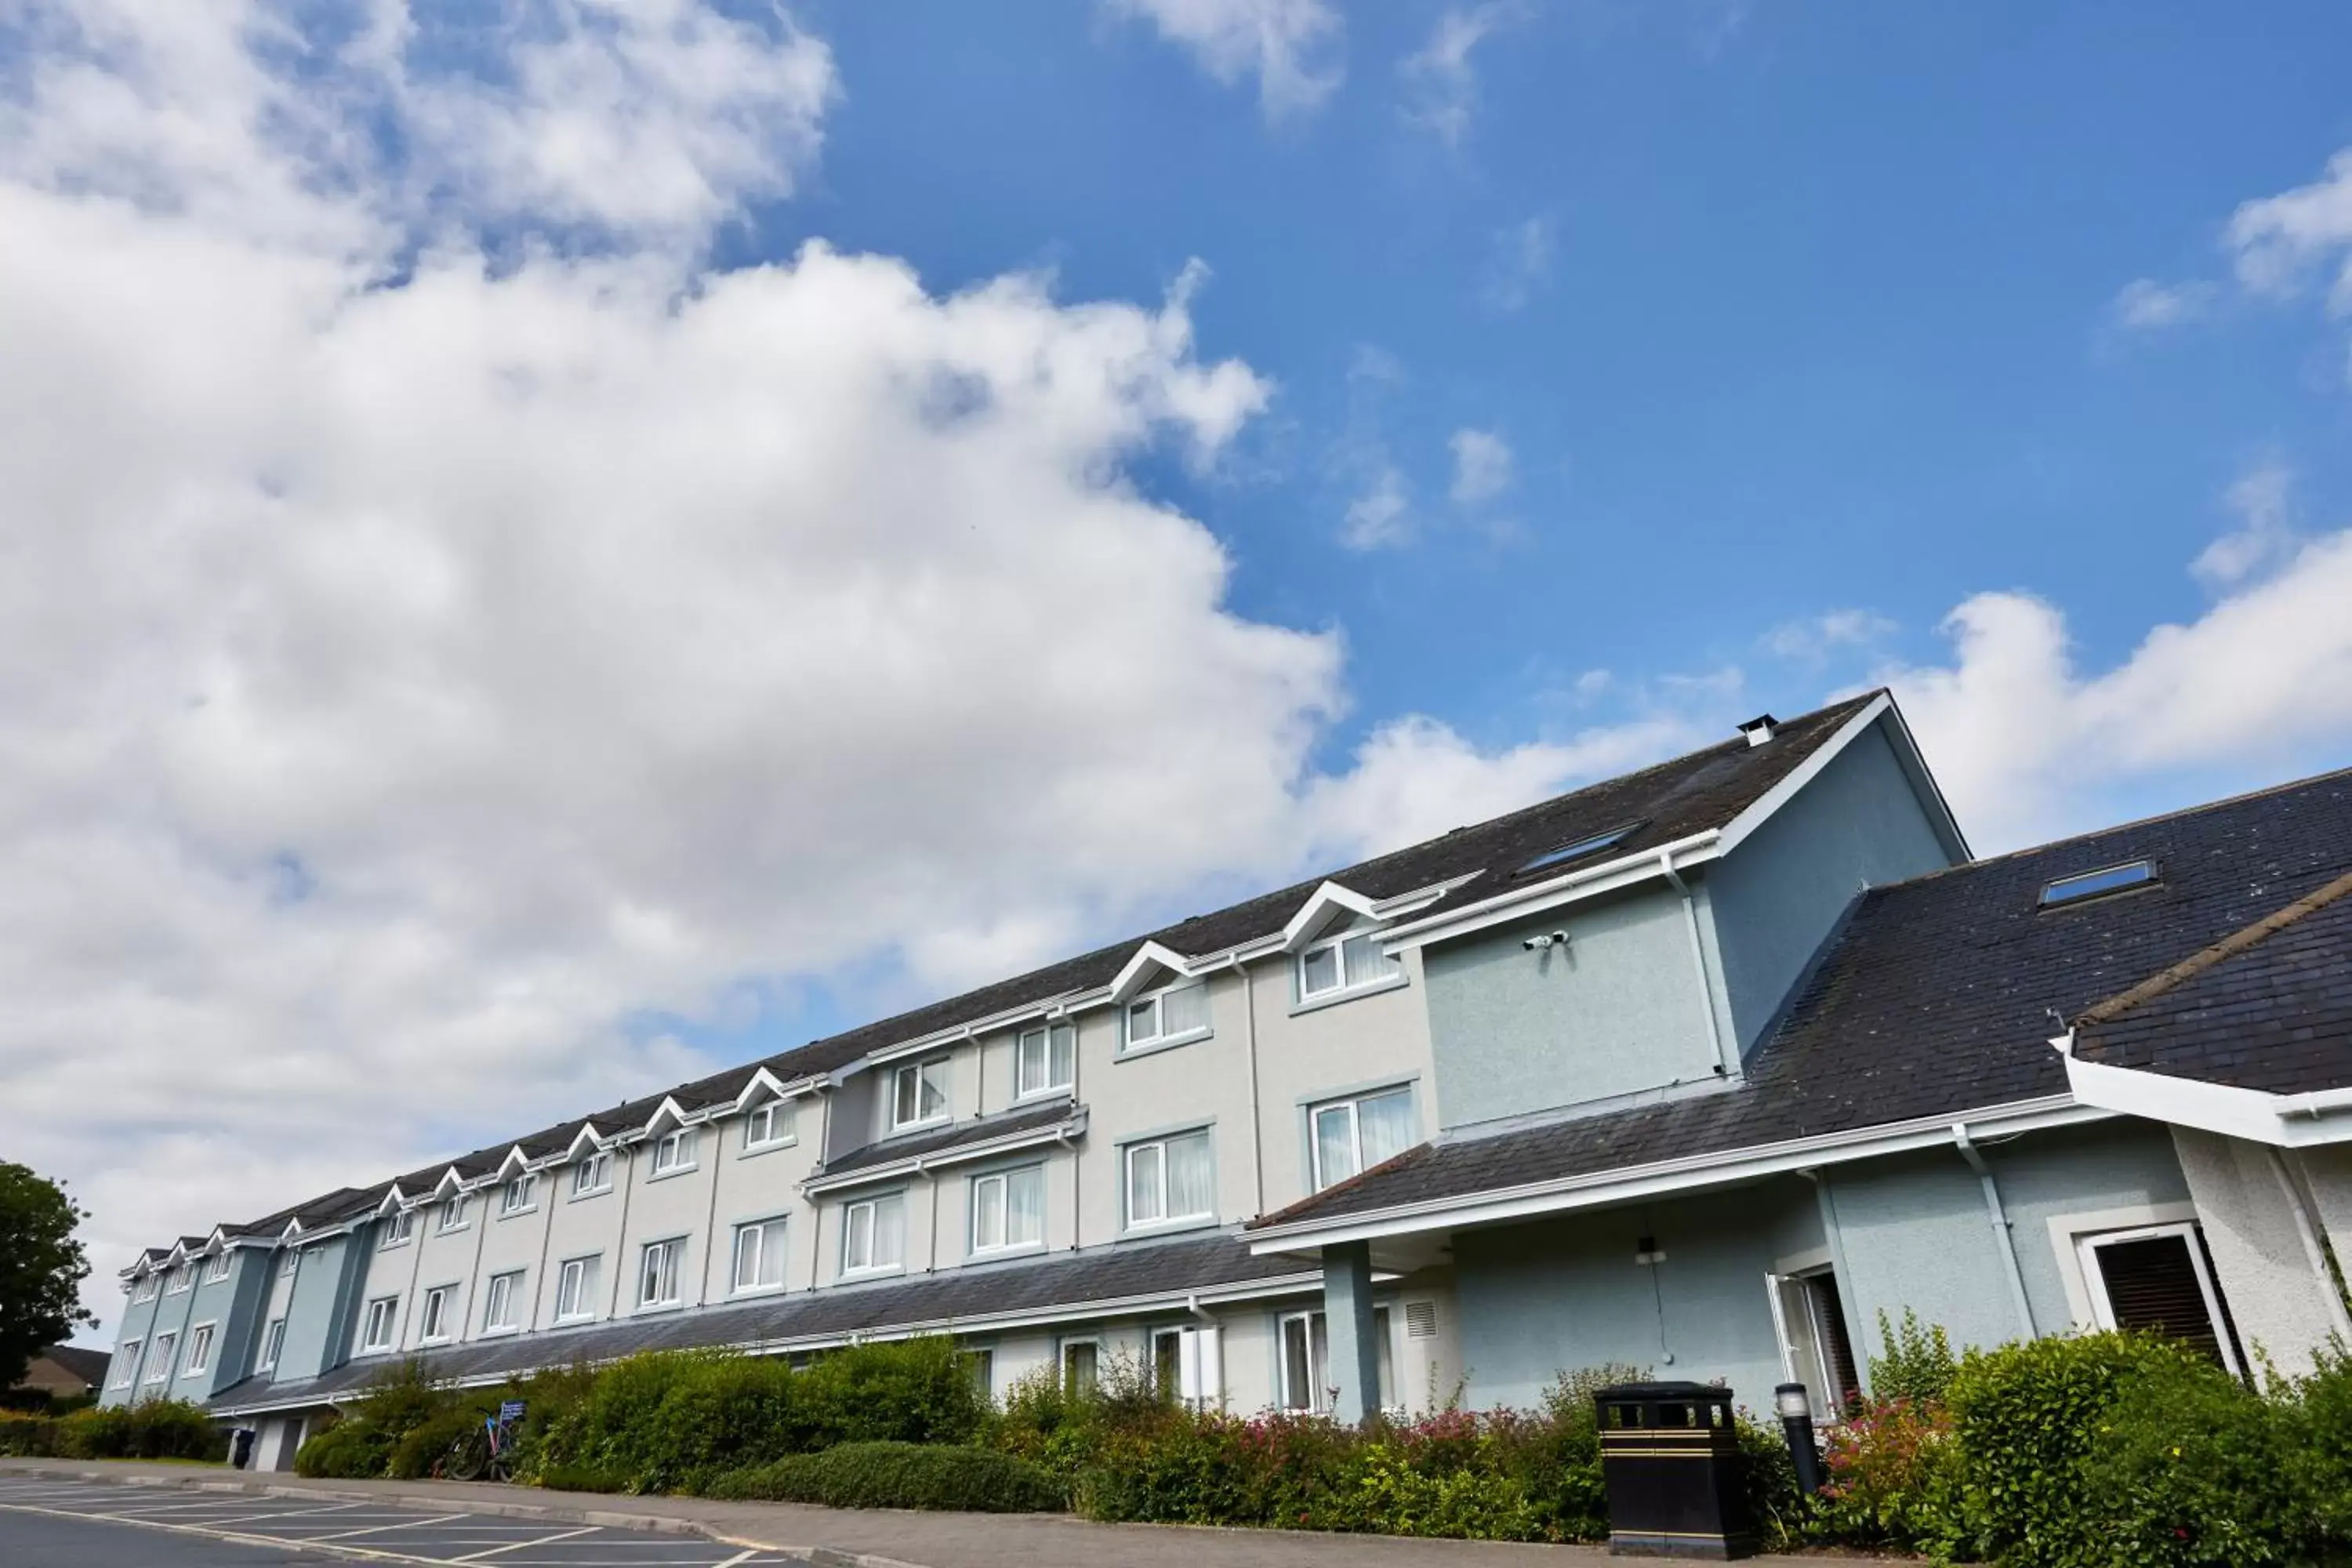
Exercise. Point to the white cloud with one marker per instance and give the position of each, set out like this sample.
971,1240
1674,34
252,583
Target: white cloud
1482,465
1380,517
1815,638
437,635
1286,44
1440,83
2146,305
1518,259
2028,745
2263,501
2278,240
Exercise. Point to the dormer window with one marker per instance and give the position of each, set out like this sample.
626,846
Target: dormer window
918,1093
453,1215
769,1125
217,1269
1045,1061
516,1195
1346,963
1165,1017
399,1227
592,1174
2097,884
674,1152
182,1278
144,1290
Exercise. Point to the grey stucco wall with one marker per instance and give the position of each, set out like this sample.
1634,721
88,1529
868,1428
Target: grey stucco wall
1777,895
1616,1010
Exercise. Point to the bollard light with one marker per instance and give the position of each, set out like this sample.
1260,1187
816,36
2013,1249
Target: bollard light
1796,1409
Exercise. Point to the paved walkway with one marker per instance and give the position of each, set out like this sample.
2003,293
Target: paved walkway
875,1539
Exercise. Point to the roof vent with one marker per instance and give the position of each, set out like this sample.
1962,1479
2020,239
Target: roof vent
1760,729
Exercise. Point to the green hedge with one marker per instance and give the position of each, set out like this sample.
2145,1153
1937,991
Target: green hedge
27,1436
150,1429
900,1475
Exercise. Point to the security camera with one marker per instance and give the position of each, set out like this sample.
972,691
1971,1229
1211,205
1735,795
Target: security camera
1537,943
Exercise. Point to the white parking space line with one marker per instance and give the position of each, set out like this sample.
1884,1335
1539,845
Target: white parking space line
380,1529
518,1545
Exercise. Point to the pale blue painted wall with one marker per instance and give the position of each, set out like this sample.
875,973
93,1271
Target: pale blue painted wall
2109,1166
138,1323
1618,1009
1776,896
319,1318
228,1305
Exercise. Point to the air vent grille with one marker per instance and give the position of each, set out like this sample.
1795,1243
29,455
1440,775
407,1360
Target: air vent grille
1421,1319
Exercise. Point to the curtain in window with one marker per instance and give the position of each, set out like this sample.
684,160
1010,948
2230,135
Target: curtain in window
1182,1012
889,1232
1062,1048
1335,1143
1384,1123
1189,1190
1319,972
1365,961
1024,1208
1143,1185
988,1213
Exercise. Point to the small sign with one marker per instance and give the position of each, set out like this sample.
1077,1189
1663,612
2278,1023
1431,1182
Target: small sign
511,1411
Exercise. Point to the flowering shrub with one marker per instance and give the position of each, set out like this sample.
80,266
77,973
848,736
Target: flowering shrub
1893,1478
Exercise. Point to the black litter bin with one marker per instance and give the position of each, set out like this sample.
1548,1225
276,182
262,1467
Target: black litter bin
1670,1458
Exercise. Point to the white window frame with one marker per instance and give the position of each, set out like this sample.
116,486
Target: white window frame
273,1345
452,1217
399,1229
592,1174
200,1350
576,1278
1003,1182
1318,1392
126,1370
872,1209
217,1269
145,1288
1126,1181
765,1118
518,1195
768,1243
1062,1360
1045,1080
434,1326
1337,947
929,1074
1130,1042
674,1153
290,1264
670,1271
183,1280
2094,1279
1350,1104
383,1315
500,1301
166,1348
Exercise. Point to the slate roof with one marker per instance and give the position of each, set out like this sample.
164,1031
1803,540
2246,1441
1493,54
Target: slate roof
89,1365
957,1135
2268,1007
1938,996
1067,1284
1671,800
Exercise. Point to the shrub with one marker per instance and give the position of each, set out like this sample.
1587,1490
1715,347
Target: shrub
27,1436
149,1429
1917,1366
1893,1478
422,1449
2321,1443
899,1475
343,1451
577,1478
361,1444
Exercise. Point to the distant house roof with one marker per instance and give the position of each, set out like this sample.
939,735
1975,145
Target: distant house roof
1665,803
83,1366
1939,997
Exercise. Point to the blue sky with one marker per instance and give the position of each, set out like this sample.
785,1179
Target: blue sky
551,549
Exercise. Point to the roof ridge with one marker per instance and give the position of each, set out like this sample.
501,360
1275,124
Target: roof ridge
2228,947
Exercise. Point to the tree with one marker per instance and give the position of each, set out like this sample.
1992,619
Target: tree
41,1268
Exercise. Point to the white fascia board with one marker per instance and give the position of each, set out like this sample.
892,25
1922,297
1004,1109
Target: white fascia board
1915,763
1600,1189
587,1135
516,1160
1761,809
963,1154
2281,1120
1053,1006
763,1081
1608,876
452,1180
1325,904
1136,973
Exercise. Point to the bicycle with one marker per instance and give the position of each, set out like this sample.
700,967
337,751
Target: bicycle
485,1453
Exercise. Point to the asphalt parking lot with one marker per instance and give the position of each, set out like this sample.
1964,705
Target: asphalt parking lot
94,1524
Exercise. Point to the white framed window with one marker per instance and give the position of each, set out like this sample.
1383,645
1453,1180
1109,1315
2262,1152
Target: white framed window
217,1269
159,1364
1306,1351
658,1273
383,1321
592,1174
200,1350
918,1093
502,1303
1808,1315
289,1263
273,1345
1346,963
126,1363
1354,1135
1008,1209
874,1234
437,1324
1166,1016
1081,1366
183,1278
144,1290
516,1195
760,1255
769,1126
1045,1061
2157,1278
1169,1180
674,1152
398,1227
575,1289
453,1215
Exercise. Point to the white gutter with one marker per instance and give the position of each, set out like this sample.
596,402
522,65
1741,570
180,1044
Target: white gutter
1624,1185
2281,1120
915,1165
1587,882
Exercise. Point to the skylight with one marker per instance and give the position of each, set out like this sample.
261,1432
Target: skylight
1580,849
2090,884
